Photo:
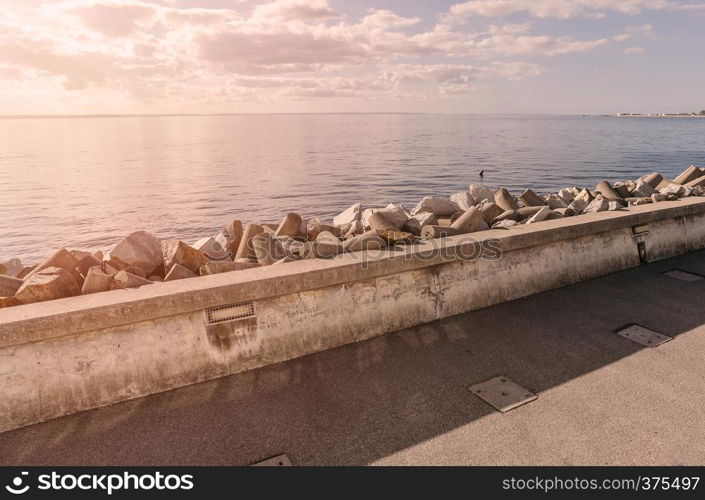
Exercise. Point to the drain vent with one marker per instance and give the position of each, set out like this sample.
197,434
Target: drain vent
502,393
278,461
679,274
642,336
226,314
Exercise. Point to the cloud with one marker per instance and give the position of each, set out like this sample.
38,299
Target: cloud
563,9
633,50
282,49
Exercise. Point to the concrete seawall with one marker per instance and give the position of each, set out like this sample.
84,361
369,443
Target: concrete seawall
73,354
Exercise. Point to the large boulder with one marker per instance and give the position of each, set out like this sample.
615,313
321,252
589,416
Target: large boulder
230,236
480,193
97,280
178,252
554,201
440,207
124,279
365,241
140,250
47,284
289,226
315,226
11,268
179,272
530,199
349,215
642,189
267,249
246,250
599,204
463,199
9,285
416,222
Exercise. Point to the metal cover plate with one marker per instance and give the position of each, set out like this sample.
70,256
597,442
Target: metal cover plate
502,393
278,461
643,336
682,275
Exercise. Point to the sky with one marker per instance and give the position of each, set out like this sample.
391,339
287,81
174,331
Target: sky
284,56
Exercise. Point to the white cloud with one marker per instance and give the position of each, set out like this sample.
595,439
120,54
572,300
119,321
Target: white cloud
633,50
564,9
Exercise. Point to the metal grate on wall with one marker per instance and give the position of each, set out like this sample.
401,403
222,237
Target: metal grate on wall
228,313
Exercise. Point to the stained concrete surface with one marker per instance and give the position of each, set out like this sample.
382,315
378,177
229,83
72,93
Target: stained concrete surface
402,398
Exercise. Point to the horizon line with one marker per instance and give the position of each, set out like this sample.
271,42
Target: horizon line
157,115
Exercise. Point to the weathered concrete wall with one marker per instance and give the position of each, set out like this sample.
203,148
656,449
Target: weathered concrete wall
73,354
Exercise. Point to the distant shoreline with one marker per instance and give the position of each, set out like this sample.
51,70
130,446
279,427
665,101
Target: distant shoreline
657,115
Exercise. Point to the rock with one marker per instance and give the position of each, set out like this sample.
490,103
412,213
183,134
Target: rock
656,197
543,214
578,206
295,248
228,239
98,255
418,221
124,279
9,285
642,190
528,212
25,272
156,278
698,181
267,249
505,200
369,240
505,224
429,232
444,221
226,266
615,205
634,201
606,190
698,191
585,195
675,189
355,227
96,281
379,222
463,199
246,250
599,204
178,252
507,215
62,259
624,188
689,174
315,227
397,237
554,201
565,212
47,284
140,250
439,207
86,263
289,226
349,215
179,272
480,193
470,221
11,268
326,246
8,302
490,211
531,199
653,179
567,194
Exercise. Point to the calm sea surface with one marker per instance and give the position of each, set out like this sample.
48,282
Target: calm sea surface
86,182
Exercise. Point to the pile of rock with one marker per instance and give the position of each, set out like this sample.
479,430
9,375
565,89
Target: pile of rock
143,259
